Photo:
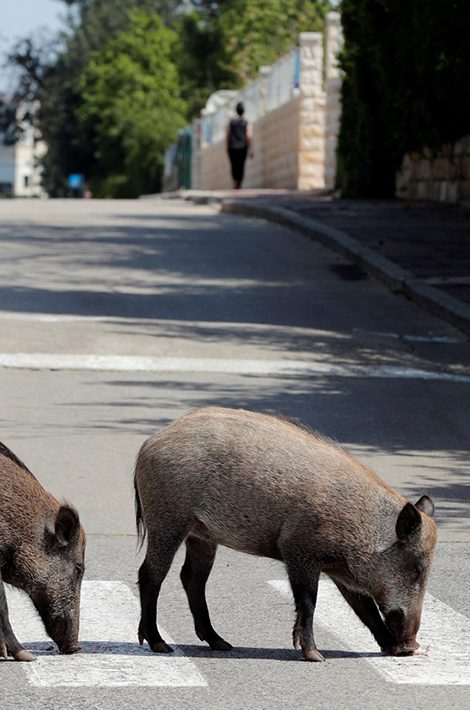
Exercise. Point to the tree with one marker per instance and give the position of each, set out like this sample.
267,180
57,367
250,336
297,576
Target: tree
224,43
50,76
131,101
203,59
259,33
407,66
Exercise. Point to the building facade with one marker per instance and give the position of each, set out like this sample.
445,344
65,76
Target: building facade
20,171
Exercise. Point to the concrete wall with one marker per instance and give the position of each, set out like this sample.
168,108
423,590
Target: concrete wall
442,175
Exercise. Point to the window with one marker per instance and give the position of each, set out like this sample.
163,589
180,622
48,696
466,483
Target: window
6,188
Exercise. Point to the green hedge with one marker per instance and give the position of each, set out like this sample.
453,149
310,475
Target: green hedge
406,86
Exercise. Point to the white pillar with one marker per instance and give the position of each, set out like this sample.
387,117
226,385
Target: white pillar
312,113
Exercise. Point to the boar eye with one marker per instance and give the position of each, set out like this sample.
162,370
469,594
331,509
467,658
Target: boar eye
79,568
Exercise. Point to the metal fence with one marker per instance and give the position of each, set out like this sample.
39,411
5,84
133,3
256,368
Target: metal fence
275,86
177,169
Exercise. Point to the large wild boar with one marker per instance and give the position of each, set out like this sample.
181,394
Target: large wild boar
267,486
42,548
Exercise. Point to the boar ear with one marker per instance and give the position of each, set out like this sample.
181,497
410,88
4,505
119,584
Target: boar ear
408,522
426,506
66,526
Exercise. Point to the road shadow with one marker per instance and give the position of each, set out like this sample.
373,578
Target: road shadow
118,648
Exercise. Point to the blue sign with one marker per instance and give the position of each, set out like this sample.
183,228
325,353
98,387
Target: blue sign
76,181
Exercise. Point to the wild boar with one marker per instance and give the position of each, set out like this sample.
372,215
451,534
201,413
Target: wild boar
266,486
42,550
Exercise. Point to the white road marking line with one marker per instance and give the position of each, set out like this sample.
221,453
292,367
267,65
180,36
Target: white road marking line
133,363
111,655
444,636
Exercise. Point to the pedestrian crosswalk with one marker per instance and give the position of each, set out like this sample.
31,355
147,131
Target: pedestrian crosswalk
444,656
111,656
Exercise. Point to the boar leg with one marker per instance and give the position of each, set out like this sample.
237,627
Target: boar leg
366,609
200,555
304,577
160,554
9,644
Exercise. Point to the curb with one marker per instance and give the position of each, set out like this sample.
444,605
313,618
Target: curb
397,279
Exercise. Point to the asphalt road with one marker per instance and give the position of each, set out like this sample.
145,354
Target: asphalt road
118,317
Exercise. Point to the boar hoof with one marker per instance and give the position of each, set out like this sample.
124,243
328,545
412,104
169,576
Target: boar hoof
313,654
68,650
161,647
24,655
219,644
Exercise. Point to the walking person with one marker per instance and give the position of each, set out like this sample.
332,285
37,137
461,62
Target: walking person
239,145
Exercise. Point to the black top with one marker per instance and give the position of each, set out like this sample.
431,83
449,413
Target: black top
237,135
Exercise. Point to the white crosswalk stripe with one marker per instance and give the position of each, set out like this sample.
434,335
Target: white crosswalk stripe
111,654
231,366
444,657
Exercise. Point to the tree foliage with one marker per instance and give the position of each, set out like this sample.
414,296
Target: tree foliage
224,43
259,33
203,59
50,76
131,102
407,66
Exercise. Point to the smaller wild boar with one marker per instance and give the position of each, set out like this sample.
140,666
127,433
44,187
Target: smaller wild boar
267,486
42,550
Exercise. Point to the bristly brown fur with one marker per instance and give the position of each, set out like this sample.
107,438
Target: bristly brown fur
291,420
304,427
42,552
5,451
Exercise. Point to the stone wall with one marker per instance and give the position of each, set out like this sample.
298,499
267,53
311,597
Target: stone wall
275,162
442,175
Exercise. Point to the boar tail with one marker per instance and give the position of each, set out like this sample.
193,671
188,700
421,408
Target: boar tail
139,520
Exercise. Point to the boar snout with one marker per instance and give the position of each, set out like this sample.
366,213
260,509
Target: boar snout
65,634
403,632
402,649
62,630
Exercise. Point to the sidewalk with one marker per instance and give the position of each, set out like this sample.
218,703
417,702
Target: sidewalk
419,248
